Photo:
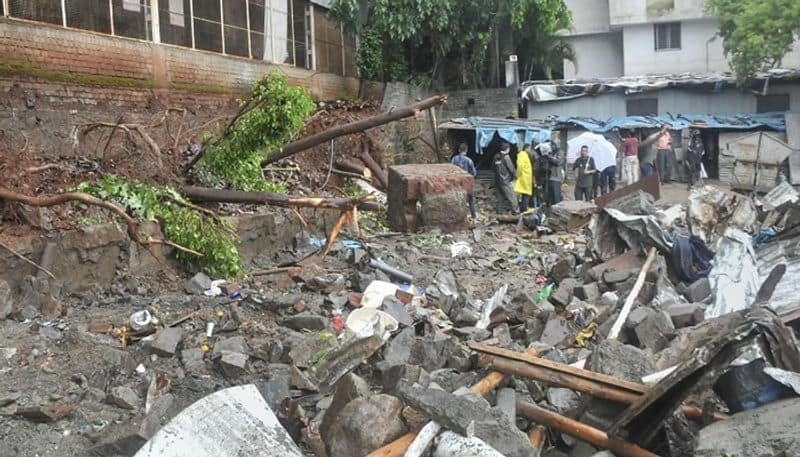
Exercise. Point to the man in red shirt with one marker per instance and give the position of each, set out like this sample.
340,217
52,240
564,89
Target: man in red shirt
630,160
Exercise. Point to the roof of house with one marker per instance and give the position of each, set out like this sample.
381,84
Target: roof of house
323,3
508,129
744,121
546,91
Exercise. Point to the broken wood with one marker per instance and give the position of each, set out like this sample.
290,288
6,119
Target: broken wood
581,431
354,166
435,133
376,169
637,287
353,127
205,194
57,199
344,218
273,271
649,184
348,174
537,436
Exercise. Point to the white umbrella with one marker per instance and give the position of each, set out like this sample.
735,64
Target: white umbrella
600,149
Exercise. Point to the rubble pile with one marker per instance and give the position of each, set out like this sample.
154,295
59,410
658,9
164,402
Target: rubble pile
633,330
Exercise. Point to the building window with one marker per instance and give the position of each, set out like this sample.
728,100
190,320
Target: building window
642,107
772,103
667,36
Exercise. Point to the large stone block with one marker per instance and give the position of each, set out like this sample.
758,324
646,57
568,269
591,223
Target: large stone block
409,184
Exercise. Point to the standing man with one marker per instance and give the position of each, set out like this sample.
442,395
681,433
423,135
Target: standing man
608,179
585,171
630,158
504,173
664,155
648,156
524,183
465,163
549,165
694,157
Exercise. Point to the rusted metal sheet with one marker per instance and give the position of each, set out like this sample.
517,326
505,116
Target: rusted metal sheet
648,184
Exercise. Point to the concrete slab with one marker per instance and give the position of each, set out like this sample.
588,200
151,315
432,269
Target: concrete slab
228,423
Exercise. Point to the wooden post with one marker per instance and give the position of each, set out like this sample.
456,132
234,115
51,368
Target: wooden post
637,287
435,133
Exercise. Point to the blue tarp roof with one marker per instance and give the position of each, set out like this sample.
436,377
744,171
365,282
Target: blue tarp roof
507,129
774,121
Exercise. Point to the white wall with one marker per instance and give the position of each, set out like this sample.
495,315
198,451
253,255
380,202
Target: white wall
588,16
675,101
641,58
598,56
627,12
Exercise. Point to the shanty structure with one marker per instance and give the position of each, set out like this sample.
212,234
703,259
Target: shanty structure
484,135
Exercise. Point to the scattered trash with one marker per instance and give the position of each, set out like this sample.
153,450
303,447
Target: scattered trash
214,290
141,321
461,248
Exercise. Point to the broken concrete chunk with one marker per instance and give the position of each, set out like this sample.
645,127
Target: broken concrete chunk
312,347
398,350
768,430
563,400
507,403
333,282
6,303
365,424
124,397
275,390
205,428
433,351
305,321
469,418
232,344
656,330
563,294
348,389
394,307
588,292
338,362
233,364
613,276
556,331
454,445
686,314
698,290
166,341
128,438
198,284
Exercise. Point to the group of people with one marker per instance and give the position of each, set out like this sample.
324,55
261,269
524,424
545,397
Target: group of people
661,160
536,177
534,180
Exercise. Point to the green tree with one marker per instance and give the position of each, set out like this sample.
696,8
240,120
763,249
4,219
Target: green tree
450,42
756,34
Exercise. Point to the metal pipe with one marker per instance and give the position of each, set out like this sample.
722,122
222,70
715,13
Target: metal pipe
581,431
391,271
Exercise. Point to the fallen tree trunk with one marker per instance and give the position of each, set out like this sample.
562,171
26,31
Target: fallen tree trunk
376,169
354,127
204,194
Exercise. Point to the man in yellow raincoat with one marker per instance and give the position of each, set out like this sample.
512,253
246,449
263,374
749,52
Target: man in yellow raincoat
523,186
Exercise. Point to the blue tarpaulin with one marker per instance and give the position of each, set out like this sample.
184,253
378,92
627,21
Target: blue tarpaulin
509,130
773,121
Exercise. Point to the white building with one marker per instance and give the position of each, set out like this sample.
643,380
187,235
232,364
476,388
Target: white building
645,37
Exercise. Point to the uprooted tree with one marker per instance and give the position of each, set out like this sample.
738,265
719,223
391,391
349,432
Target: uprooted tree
230,158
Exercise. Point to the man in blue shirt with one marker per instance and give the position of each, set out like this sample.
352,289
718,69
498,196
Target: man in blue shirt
465,163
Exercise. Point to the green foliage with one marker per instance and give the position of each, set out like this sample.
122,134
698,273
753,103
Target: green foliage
756,34
447,41
181,223
273,115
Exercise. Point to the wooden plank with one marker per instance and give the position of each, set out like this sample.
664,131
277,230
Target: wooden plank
559,367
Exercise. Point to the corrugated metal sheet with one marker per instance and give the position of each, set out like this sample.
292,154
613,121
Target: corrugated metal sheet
752,161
